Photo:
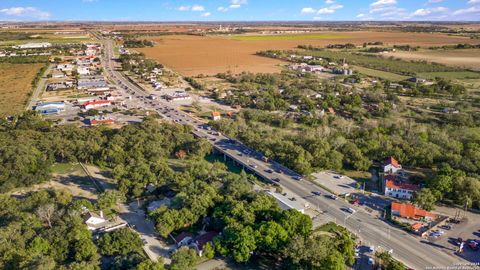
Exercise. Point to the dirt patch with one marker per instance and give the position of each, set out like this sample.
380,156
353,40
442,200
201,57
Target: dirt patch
209,55
15,85
469,58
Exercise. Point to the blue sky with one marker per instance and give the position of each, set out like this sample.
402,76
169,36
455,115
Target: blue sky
238,10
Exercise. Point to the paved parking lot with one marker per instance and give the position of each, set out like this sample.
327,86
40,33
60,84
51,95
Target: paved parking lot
337,183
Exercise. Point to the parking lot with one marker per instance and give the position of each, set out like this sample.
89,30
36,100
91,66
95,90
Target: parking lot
337,183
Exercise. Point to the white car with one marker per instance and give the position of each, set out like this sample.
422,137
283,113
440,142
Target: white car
350,210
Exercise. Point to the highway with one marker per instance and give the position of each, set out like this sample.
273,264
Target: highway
371,230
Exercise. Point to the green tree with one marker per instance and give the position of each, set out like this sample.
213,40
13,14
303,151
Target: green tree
184,259
120,242
425,199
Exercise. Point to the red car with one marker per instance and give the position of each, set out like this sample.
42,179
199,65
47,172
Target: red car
473,244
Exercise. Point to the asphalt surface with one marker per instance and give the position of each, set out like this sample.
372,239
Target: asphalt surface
40,86
371,230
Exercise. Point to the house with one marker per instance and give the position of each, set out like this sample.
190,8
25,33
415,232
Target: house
96,104
154,205
400,190
391,165
417,80
183,239
416,227
94,221
58,74
65,67
216,116
60,86
202,240
406,210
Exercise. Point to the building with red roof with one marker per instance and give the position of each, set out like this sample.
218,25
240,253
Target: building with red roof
400,190
406,210
96,104
183,239
94,122
391,165
216,116
203,239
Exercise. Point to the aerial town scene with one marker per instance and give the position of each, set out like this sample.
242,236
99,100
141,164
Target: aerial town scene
240,134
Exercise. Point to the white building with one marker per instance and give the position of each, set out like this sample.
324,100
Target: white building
83,71
34,45
65,67
399,190
391,165
94,221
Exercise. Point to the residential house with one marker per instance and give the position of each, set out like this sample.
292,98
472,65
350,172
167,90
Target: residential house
183,239
94,221
391,165
97,121
406,210
399,190
216,116
83,71
202,240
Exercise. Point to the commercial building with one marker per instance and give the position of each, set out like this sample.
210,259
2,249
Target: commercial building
96,104
34,45
406,210
50,107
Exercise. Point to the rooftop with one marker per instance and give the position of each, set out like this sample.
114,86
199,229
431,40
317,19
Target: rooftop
410,211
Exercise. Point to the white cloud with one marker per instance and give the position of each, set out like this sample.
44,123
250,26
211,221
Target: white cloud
361,15
239,2
329,2
437,11
184,8
382,3
329,10
233,6
222,9
472,2
198,8
435,1
307,10
467,11
26,12
206,14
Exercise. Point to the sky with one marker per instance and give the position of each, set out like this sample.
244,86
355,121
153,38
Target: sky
239,10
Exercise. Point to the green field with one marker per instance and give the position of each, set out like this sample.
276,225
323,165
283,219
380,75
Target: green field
379,74
50,40
285,37
456,75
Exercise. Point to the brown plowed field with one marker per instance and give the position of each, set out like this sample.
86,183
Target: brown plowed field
193,55
469,59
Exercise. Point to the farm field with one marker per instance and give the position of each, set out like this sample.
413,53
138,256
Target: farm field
209,55
287,37
15,86
468,58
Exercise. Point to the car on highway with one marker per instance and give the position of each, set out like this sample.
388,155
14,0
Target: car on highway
316,193
298,178
349,210
253,166
293,199
269,171
276,179
331,196
338,176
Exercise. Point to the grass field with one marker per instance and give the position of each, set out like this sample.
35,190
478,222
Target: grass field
15,86
466,58
379,74
286,37
451,75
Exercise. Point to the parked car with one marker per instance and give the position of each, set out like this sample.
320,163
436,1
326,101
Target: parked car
474,245
446,227
371,249
371,261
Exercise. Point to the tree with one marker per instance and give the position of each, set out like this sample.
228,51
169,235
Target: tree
149,265
120,242
184,259
46,213
425,199
109,199
271,237
208,251
237,242
296,223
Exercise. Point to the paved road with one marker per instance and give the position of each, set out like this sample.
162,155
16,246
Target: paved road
372,231
40,86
